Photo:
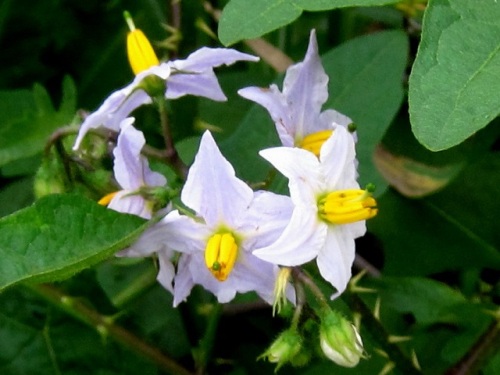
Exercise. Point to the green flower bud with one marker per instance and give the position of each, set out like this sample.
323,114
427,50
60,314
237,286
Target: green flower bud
284,348
340,340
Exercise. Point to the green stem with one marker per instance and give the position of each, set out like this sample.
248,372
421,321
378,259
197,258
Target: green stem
105,325
301,300
172,156
299,274
380,335
204,350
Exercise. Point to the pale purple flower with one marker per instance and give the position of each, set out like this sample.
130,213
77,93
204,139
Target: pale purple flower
132,172
296,111
192,76
222,204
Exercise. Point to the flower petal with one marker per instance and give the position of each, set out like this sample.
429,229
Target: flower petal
336,257
300,242
113,111
267,217
302,169
337,158
167,270
275,103
183,281
306,90
203,84
207,58
212,189
128,202
184,234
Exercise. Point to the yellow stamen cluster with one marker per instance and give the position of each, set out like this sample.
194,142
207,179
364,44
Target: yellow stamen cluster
314,141
141,55
104,201
220,255
347,206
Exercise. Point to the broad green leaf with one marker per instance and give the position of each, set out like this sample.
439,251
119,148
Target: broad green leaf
454,81
59,236
242,19
365,84
27,119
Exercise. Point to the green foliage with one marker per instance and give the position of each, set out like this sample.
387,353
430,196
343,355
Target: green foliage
455,78
434,241
243,19
59,236
28,118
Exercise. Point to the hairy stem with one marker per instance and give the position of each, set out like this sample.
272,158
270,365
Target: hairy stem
105,325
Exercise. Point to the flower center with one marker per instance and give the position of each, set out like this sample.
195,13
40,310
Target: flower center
104,201
220,255
141,55
347,206
314,141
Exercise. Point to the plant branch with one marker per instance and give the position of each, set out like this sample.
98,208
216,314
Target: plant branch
478,354
105,325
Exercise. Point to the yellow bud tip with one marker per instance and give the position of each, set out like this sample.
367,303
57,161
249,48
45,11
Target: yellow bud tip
347,206
220,255
313,142
141,54
104,201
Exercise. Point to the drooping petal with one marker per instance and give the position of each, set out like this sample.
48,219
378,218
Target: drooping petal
275,103
336,257
113,111
207,58
212,189
302,169
266,218
166,273
337,158
152,240
306,90
128,202
300,241
183,281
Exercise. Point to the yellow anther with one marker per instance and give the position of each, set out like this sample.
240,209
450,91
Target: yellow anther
314,141
104,201
347,206
220,255
141,55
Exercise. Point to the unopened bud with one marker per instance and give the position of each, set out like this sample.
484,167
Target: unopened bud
340,340
284,349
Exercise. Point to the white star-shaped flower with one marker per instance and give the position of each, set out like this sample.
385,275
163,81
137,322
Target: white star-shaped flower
330,209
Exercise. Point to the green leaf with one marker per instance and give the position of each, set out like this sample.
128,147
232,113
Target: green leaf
27,119
59,236
242,19
365,84
455,229
455,79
